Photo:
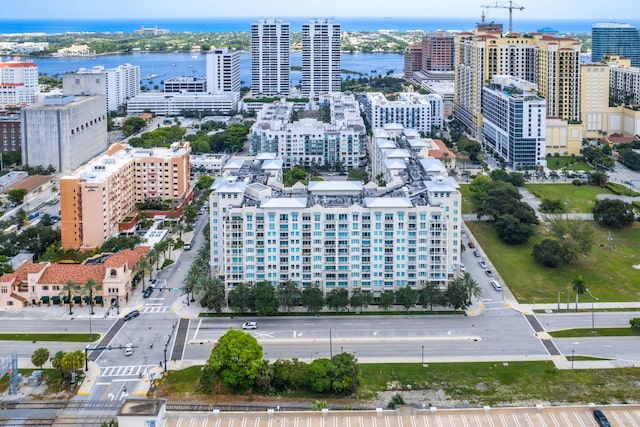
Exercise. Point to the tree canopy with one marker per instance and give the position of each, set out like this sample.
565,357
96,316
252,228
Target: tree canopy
236,359
613,213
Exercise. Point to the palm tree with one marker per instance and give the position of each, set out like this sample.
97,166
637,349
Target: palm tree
69,290
179,228
143,267
90,287
154,258
579,287
472,287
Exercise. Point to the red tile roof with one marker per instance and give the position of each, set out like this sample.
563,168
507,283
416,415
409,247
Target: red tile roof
77,273
21,273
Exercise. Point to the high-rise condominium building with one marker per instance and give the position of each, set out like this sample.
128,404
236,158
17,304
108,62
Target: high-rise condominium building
270,62
116,84
608,38
437,52
64,131
550,62
97,197
320,57
223,71
514,121
335,235
18,83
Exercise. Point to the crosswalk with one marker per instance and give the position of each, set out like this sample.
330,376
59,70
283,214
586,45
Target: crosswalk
155,309
124,371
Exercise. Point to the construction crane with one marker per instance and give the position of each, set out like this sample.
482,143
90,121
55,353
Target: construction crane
506,5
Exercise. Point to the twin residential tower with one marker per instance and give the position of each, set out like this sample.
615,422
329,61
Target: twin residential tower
270,58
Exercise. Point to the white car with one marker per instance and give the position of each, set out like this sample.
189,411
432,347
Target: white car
128,350
463,269
250,325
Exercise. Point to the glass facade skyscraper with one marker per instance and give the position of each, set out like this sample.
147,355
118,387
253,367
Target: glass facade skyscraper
612,38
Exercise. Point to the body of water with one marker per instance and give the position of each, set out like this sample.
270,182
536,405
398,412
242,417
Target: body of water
244,24
167,65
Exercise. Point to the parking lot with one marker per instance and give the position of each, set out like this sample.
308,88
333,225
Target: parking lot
502,417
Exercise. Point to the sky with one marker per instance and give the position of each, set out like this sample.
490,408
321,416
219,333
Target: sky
597,10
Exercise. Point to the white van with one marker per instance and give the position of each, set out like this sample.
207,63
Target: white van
497,286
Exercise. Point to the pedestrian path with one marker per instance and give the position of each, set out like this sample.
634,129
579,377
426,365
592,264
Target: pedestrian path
124,371
155,309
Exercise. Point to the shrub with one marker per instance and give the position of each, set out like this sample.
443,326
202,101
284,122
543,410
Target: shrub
396,400
635,323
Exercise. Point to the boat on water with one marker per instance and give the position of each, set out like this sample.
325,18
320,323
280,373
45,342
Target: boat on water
153,76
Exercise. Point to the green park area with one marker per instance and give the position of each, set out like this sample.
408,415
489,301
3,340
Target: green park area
576,198
568,163
611,271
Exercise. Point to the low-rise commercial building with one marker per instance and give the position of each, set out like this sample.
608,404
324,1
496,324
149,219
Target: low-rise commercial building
43,283
176,103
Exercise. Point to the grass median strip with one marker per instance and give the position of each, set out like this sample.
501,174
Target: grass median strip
50,337
598,332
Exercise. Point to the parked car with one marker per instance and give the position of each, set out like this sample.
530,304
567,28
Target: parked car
497,286
471,245
130,315
600,418
476,253
147,292
482,264
250,325
463,269
488,273
154,283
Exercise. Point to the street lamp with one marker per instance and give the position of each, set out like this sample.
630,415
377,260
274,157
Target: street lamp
593,319
423,355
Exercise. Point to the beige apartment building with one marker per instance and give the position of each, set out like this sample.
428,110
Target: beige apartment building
552,63
98,197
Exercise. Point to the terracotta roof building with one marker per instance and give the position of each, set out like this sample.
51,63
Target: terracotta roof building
36,283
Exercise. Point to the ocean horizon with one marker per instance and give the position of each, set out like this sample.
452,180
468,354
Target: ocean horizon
224,25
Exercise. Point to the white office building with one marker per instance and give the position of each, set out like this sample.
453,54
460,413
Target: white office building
310,142
116,84
177,103
334,235
412,110
18,83
223,71
515,121
270,61
64,131
320,57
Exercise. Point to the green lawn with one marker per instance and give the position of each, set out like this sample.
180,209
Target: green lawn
598,332
50,337
557,163
499,383
467,207
610,279
576,198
